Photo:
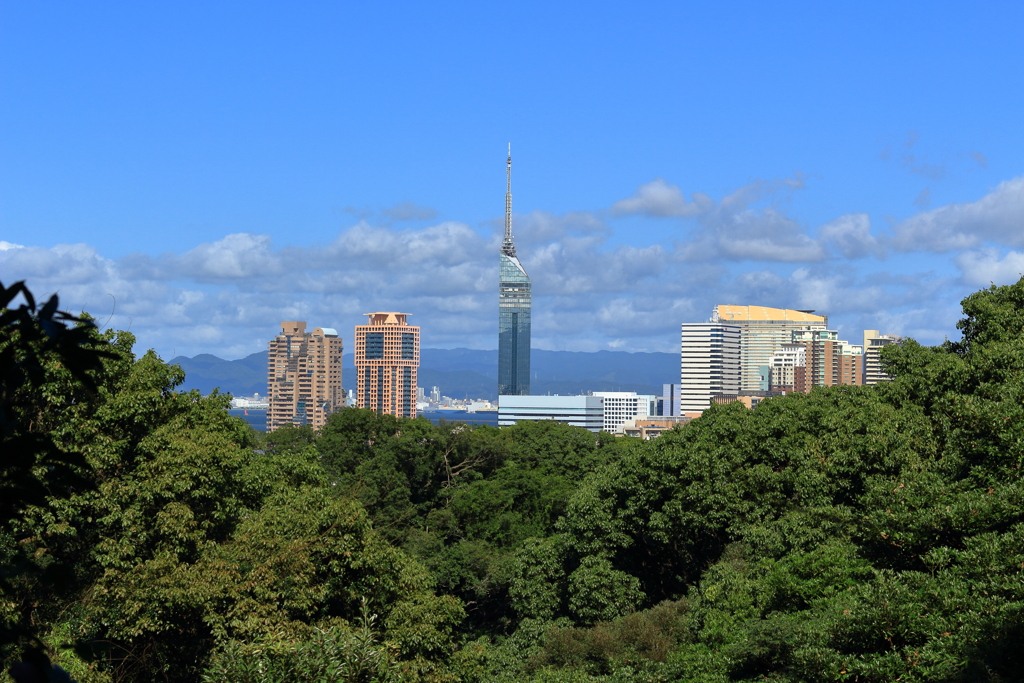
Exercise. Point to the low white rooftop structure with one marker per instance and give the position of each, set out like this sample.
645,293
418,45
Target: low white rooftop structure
621,406
579,411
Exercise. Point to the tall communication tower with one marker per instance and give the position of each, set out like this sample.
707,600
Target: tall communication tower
514,304
508,247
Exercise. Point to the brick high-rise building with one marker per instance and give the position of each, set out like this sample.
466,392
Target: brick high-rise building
303,376
829,360
851,364
387,357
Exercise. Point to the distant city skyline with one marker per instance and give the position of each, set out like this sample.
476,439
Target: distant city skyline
196,173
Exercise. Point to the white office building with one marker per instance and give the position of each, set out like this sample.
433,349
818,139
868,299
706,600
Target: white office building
709,364
622,406
579,411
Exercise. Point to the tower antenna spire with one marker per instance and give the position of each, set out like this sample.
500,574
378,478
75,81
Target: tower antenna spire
508,247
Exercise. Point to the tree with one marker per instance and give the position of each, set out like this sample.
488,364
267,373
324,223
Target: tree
37,343
188,539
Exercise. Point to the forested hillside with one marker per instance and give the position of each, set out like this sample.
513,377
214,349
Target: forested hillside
853,534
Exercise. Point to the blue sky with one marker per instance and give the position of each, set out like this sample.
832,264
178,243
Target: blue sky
200,171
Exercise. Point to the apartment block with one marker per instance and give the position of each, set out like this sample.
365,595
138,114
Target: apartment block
387,359
709,364
829,360
851,364
873,343
787,369
763,331
303,376
622,406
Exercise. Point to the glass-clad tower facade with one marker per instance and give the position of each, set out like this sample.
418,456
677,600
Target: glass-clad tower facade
513,310
513,328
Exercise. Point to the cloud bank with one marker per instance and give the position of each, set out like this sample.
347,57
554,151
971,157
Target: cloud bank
227,296
998,217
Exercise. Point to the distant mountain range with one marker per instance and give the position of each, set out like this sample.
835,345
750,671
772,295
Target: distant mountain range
462,373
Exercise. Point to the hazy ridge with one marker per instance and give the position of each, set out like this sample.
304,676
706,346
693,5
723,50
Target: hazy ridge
464,372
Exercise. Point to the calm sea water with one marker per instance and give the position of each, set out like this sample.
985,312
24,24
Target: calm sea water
462,416
258,418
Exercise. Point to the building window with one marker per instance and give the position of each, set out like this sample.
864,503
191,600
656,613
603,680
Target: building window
408,346
380,390
407,391
374,346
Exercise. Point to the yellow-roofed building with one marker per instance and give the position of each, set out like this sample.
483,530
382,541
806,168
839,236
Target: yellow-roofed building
763,331
769,314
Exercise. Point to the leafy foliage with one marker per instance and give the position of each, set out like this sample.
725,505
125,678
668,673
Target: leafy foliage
329,656
461,499
852,534
185,537
36,344
635,639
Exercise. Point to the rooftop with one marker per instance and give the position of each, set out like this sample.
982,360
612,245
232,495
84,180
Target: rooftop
386,318
732,312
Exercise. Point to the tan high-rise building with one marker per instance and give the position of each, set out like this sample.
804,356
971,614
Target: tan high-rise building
303,376
763,331
387,357
873,343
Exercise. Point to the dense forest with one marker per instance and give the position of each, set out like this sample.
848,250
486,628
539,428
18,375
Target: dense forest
852,534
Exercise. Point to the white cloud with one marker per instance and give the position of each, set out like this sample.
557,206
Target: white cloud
851,236
835,293
984,267
75,263
843,293
736,228
227,295
543,226
364,245
997,217
659,198
746,225
241,286
235,256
